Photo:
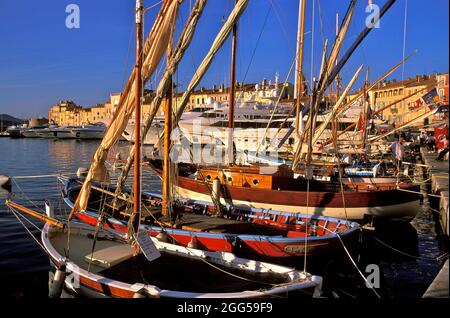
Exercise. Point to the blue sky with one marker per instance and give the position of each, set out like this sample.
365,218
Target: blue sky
42,62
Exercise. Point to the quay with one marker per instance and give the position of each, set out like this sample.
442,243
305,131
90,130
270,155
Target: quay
438,172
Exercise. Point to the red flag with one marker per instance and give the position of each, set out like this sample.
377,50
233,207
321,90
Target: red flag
360,124
439,134
417,103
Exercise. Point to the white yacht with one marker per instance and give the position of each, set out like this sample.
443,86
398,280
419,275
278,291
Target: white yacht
64,132
207,124
94,131
33,132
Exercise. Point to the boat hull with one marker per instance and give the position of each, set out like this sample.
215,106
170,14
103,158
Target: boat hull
94,284
353,205
259,246
83,134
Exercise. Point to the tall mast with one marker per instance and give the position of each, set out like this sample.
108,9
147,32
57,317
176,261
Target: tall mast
137,111
299,66
365,109
334,124
232,94
166,195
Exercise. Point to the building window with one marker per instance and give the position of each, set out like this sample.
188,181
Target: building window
400,91
395,92
441,93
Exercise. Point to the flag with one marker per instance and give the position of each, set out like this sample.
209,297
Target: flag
417,103
439,134
431,97
360,124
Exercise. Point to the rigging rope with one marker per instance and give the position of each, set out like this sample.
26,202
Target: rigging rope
404,38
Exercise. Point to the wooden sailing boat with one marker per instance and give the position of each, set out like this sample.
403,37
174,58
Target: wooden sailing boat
279,190
258,232
108,263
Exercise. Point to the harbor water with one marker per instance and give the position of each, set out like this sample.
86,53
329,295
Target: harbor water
406,253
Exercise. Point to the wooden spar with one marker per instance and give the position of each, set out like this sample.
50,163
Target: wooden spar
337,45
120,109
112,194
322,127
316,99
350,127
365,110
232,94
320,88
374,84
182,45
35,214
358,41
137,126
299,78
324,58
166,195
420,117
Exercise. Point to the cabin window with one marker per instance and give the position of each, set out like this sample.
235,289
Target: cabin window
208,177
255,182
230,179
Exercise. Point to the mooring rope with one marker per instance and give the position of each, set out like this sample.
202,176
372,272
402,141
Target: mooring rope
438,258
40,176
353,262
16,214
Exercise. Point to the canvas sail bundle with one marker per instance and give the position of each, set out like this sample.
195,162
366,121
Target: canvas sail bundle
154,49
198,75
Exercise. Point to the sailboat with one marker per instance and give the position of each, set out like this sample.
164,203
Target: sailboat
262,232
108,263
263,187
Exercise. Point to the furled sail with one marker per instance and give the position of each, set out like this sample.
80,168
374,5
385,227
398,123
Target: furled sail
200,72
154,49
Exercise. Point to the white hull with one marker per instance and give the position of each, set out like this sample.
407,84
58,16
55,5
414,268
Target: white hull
92,284
151,138
66,134
86,134
29,134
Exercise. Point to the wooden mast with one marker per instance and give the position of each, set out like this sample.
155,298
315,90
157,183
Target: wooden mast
334,123
137,128
365,110
166,195
299,68
232,94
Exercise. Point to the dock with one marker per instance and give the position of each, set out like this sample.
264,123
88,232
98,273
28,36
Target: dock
438,172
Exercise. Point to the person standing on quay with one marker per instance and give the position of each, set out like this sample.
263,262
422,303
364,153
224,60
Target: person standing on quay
398,151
